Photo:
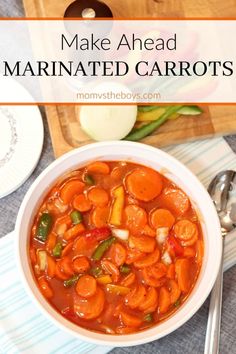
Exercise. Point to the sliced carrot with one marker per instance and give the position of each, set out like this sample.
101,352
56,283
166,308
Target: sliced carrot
158,270
118,309
112,269
176,200
86,286
100,216
150,300
162,218
70,189
182,268
191,241
171,271
98,196
144,184
135,297
133,255
128,280
164,300
81,203
65,265
199,251
51,242
130,320
147,230
73,232
65,219
150,309
59,274
185,230
51,266
125,330
117,253
142,243
83,246
81,264
98,167
45,288
67,249
175,291
90,308
149,260
150,280
135,218
129,199
117,173
33,256
189,252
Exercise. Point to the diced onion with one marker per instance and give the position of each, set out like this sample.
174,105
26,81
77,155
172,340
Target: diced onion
61,229
36,269
166,258
42,260
60,206
161,234
121,234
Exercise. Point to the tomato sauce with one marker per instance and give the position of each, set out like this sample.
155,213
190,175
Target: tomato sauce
116,247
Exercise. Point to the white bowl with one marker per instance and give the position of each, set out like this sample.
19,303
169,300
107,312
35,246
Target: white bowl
160,161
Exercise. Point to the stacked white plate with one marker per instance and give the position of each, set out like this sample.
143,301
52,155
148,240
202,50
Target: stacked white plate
21,139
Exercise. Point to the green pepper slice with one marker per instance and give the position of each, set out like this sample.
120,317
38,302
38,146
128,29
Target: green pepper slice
44,227
57,250
76,217
102,248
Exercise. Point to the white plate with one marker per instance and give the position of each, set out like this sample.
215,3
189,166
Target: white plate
21,140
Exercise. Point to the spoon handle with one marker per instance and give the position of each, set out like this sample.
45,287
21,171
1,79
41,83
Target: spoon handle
214,316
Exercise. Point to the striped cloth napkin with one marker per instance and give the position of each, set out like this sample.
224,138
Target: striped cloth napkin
24,330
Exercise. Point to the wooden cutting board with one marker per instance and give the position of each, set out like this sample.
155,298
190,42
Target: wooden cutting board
63,122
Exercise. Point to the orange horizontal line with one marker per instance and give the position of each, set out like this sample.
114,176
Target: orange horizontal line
118,19
115,103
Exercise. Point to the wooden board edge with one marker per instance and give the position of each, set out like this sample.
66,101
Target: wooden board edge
59,144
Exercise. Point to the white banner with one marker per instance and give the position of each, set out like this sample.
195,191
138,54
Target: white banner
117,61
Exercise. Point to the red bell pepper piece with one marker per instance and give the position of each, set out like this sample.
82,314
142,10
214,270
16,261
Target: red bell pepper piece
174,244
98,234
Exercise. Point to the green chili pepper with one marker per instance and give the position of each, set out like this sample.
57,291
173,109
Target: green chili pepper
177,303
76,217
125,269
44,227
57,250
147,108
72,281
148,317
89,180
96,271
190,110
149,128
102,248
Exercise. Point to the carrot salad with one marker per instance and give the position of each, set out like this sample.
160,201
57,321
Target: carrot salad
116,247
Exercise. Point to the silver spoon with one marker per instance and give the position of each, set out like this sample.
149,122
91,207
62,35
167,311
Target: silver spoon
222,190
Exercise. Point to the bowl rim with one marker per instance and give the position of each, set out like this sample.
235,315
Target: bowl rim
100,338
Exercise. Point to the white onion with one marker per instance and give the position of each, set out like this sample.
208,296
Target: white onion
107,122
166,258
161,234
121,234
